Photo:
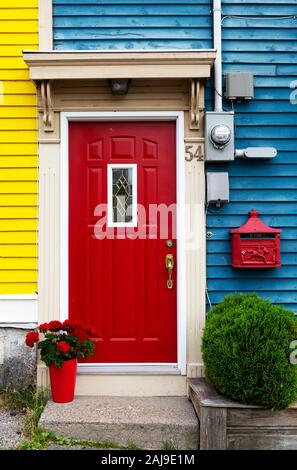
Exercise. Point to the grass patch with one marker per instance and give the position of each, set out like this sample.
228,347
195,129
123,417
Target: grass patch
30,402
42,438
168,445
23,400
38,440
67,441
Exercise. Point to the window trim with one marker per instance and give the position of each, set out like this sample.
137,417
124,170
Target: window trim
110,168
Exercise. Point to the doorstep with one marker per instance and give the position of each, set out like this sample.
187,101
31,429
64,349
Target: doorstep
146,422
99,384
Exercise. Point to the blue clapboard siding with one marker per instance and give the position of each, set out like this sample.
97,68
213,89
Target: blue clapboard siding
132,24
264,45
269,49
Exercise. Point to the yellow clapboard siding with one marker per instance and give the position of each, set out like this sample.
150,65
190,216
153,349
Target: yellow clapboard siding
18,275
18,200
15,162
18,212
17,111
13,50
11,238
18,174
18,13
17,225
12,62
18,288
25,26
18,251
16,124
19,100
11,4
17,136
16,148
21,87
19,39
18,187
14,74
17,263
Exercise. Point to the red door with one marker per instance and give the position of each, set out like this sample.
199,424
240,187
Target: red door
118,280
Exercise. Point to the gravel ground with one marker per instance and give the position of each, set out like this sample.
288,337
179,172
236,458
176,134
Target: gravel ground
11,425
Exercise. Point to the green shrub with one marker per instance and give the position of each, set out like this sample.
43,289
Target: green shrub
246,351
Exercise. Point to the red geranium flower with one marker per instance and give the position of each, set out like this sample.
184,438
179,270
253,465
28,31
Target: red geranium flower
80,334
63,347
90,330
32,338
55,325
43,327
79,329
70,339
69,326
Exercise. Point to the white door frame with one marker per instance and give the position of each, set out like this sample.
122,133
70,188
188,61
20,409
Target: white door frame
178,117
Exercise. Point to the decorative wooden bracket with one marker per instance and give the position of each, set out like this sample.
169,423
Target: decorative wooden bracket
194,104
46,98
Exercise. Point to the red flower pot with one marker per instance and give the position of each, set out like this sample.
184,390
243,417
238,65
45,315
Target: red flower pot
63,381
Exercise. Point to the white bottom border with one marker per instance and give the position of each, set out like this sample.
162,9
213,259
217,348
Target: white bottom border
18,309
131,369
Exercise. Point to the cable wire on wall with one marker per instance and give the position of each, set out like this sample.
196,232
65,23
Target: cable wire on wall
256,18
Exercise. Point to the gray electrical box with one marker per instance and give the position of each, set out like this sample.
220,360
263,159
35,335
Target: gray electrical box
217,188
239,86
219,136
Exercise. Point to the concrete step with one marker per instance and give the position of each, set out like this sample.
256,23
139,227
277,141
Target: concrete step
147,422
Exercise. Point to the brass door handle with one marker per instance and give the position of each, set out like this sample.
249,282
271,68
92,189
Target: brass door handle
169,263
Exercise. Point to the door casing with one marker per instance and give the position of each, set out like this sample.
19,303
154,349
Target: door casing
178,117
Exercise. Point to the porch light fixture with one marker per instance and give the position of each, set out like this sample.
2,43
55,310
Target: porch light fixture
119,86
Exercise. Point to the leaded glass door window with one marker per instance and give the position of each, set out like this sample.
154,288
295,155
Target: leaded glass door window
122,195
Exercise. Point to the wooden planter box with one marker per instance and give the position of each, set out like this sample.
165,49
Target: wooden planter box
227,424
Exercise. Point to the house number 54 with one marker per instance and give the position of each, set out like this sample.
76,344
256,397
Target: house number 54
193,151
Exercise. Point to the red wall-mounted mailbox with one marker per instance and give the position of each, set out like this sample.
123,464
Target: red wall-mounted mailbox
255,245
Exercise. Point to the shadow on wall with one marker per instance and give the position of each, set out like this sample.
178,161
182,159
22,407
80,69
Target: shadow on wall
17,361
